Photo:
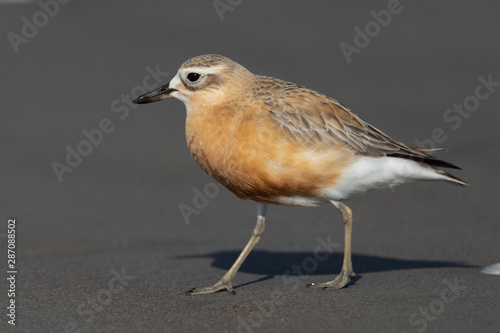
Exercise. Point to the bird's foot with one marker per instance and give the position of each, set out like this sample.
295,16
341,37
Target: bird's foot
340,281
221,285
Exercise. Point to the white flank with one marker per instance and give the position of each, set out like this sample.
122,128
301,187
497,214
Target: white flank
368,173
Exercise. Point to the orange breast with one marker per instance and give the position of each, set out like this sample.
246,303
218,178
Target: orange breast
246,151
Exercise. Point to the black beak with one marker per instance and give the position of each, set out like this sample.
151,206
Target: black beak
156,95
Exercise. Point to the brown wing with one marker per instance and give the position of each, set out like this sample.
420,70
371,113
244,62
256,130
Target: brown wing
313,118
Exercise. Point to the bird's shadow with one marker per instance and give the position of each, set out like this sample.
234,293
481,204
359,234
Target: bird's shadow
271,264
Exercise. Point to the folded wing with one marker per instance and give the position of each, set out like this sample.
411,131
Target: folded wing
313,118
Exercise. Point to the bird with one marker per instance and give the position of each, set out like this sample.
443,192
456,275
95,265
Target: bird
276,142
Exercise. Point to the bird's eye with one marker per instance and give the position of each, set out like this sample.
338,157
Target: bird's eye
193,77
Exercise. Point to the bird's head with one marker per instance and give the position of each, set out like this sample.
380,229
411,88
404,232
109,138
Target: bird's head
207,79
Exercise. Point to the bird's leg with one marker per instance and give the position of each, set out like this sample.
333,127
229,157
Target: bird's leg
227,279
343,278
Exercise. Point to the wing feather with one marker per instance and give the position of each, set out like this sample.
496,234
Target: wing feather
313,119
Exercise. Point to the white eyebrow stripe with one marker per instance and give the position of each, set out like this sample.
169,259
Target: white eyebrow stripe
203,70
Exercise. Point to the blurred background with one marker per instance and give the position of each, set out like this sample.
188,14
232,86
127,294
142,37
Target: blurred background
97,184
